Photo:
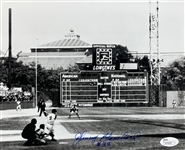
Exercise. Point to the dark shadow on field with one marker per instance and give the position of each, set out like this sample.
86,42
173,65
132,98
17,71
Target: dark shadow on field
176,135
156,123
19,145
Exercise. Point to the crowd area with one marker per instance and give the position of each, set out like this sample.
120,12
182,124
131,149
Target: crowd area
16,96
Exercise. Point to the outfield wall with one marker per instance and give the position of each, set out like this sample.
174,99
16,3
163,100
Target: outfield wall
13,105
178,96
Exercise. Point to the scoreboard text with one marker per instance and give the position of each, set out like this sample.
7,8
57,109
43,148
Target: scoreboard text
101,87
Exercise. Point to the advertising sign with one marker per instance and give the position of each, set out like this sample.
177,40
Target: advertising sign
128,66
103,57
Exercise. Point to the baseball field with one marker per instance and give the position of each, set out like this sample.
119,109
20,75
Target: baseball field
114,128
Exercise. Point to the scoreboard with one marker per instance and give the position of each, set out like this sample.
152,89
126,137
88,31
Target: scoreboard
89,87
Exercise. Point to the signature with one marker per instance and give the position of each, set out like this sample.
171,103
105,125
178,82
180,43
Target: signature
105,139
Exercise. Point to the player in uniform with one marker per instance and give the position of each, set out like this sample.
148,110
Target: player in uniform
41,134
18,105
174,103
74,109
50,123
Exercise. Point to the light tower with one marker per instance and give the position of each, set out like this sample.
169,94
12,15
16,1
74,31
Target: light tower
154,42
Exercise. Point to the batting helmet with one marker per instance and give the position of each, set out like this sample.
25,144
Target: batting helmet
54,110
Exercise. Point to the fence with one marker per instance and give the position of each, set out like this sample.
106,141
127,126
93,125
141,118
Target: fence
157,95
13,104
162,96
178,96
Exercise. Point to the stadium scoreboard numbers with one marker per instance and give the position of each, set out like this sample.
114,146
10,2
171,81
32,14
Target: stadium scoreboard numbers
87,88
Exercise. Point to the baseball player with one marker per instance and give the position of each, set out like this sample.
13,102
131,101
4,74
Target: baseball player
50,123
174,103
18,105
41,134
74,109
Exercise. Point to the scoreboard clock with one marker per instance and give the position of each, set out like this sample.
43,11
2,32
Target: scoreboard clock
104,56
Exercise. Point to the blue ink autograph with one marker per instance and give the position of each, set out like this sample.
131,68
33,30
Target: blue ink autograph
105,139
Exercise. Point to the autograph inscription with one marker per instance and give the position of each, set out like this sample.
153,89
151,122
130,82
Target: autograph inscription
106,139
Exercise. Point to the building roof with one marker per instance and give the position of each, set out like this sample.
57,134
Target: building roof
55,59
71,40
66,43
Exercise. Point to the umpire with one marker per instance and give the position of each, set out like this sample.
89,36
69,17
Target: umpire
42,108
29,133
39,104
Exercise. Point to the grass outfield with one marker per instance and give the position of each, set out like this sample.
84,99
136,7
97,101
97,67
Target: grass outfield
118,127
151,130
124,110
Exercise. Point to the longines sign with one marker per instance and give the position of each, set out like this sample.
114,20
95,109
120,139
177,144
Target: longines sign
102,57
104,68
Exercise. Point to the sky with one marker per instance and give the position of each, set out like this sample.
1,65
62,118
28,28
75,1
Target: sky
117,22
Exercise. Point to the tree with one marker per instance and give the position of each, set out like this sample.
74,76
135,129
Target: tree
143,63
3,72
48,81
174,75
73,68
124,55
21,75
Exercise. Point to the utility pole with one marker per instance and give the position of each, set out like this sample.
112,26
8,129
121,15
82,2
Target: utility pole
36,74
154,43
10,49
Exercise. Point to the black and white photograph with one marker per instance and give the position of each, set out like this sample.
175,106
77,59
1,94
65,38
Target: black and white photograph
92,74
